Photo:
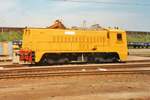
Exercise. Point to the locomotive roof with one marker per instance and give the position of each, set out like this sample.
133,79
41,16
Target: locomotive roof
102,29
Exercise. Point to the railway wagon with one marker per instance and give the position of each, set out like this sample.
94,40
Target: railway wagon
49,46
139,45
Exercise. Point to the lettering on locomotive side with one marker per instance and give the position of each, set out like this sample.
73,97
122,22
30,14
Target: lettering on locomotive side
70,33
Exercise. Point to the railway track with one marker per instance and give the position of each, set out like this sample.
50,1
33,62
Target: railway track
47,71
76,65
11,66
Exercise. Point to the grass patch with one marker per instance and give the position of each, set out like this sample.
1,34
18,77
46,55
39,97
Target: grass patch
138,37
10,36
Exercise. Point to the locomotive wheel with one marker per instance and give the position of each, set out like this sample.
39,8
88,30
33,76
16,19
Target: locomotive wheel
50,61
63,60
99,60
115,59
46,60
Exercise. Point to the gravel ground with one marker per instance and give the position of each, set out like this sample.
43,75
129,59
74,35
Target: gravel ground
132,58
139,52
95,87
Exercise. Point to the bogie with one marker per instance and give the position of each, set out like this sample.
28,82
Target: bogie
65,58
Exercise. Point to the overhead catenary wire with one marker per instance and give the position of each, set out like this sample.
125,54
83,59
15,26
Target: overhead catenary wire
106,3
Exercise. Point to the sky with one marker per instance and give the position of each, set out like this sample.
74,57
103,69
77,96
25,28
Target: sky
133,15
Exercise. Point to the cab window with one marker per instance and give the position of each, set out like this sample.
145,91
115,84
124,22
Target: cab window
119,36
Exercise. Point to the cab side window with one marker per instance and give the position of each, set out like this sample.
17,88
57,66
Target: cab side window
119,36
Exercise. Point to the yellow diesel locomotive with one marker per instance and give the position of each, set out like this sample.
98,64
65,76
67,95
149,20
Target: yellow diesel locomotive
51,46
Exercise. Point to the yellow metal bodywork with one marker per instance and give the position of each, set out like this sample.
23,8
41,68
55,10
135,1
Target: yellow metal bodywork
43,41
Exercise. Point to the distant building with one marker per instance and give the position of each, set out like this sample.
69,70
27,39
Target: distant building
136,32
11,29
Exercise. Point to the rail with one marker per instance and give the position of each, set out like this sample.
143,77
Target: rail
32,72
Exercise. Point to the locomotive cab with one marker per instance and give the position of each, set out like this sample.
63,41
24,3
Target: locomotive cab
119,43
